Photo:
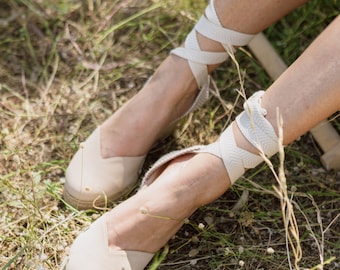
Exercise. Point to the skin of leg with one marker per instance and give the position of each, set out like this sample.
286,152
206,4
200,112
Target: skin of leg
171,100
311,86
310,92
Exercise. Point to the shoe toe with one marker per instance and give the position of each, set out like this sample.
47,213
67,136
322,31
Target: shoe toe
90,251
90,179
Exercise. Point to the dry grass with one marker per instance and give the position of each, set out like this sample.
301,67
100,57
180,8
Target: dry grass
65,66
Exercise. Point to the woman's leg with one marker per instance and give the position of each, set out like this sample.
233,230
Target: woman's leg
170,100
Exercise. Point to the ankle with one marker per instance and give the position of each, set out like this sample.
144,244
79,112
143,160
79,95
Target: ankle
175,85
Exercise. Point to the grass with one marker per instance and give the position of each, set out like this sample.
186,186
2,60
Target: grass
65,66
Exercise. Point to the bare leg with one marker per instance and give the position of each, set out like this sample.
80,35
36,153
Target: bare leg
311,84
307,93
171,100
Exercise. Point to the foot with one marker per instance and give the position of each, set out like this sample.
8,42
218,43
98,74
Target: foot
151,217
149,112
129,235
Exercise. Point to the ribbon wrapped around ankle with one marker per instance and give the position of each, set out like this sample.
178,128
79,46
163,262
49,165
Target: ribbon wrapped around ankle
209,26
256,129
